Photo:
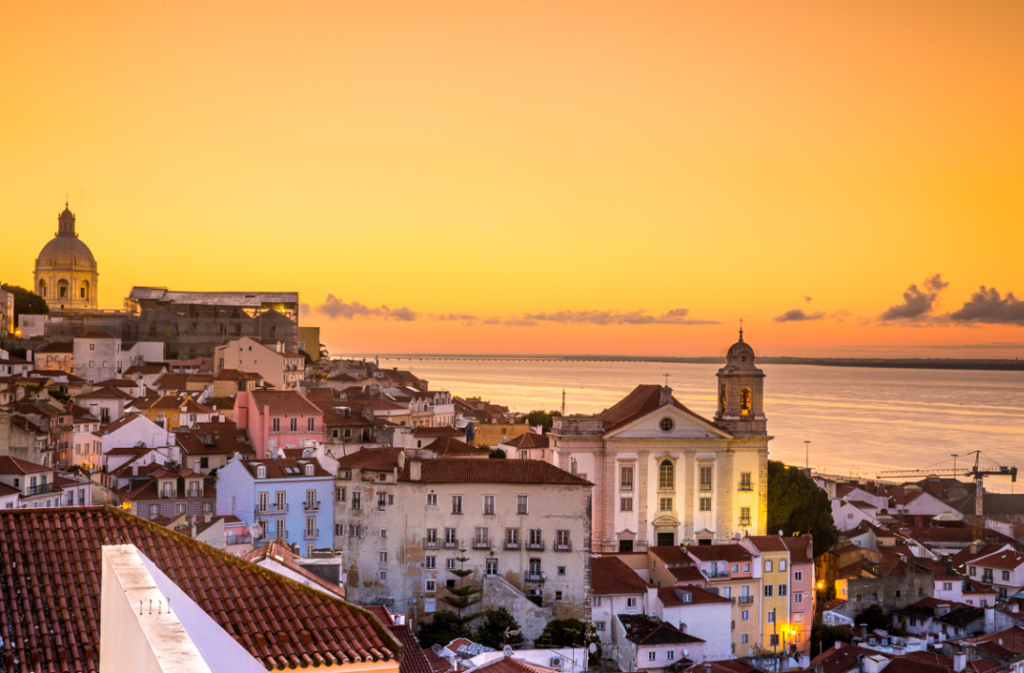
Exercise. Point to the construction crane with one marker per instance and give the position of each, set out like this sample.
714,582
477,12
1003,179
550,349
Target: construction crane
978,473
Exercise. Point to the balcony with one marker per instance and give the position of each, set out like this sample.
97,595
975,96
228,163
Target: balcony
311,533
511,545
430,543
535,577
716,574
451,544
535,546
745,521
311,506
746,600
40,489
563,546
745,486
280,508
481,544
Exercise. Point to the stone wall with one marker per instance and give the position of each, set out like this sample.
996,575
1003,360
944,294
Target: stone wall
500,593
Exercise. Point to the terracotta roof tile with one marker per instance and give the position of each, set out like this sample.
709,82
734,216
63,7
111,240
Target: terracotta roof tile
644,399
461,470
530,440
284,402
669,596
282,468
11,465
51,561
610,576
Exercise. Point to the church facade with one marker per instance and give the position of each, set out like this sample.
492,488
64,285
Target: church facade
664,475
66,274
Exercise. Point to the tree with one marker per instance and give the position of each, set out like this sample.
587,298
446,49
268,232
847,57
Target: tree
545,419
462,598
499,628
796,505
824,636
25,301
873,616
497,453
570,633
440,630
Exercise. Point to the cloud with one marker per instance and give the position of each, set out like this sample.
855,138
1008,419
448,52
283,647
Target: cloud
455,316
841,315
334,308
808,299
304,309
917,303
518,322
641,317
987,306
797,315
490,321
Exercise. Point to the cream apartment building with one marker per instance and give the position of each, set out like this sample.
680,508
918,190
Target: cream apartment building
279,367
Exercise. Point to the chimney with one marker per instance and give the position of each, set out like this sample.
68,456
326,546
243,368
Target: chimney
415,470
860,663
401,460
803,661
839,644
666,396
959,661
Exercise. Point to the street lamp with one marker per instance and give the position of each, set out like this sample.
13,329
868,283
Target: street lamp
807,453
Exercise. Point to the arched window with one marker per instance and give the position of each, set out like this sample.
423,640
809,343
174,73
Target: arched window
745,401
666,476
42,288
84,290
62,289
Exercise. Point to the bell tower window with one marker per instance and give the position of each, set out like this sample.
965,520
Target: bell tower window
84,290
62,289
42,288
745,402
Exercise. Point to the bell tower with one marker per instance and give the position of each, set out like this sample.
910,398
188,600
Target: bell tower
741,393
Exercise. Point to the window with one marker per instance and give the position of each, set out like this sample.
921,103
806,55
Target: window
456,504
666,424
339,529
353,530
383,557
947,586
970,571
357,500
771,616
449,564
631,602
670,655
745,482
384,533
558,595
744,401
340,494
512,538
430,562
626,504
491,567
705,478
562,542
744,638
561,571
745,615
488,504
744,516
536,540
179,508
280,504
480,537
798,575
595,601
310,424
665,504
768,590
782,565
783,590
746,567
735,568
383,575
382,501
154,511
599,626
293,424
261,471
768,565
1006,575
705,504
652,655
798,597
431,586
666,476
431,499
522,504
263,501
626,479
275,425
449,538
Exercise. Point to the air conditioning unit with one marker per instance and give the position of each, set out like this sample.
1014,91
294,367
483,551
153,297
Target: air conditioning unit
556,662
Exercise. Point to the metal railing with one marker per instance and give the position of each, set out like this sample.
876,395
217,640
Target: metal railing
535,546
311,533
746,600
563,546
41,488
430,544
481,544
511,545
451,544
311,506
534,577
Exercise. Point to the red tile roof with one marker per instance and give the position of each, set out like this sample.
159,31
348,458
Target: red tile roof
461,470
51,560
279,551
444,431
11,465
530,440
841,660
215,438
644,399
670,598
452,448
610,576
1004,560
376,460
770,543
510,665
284,402
282,468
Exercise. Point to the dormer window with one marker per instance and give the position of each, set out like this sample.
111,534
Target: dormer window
261,471
309,469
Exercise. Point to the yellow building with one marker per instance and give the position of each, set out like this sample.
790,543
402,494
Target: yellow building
309,341
772,561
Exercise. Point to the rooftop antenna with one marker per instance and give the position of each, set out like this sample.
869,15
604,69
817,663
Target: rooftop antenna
563,401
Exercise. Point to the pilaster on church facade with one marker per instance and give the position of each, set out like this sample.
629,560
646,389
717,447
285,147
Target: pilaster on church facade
664,475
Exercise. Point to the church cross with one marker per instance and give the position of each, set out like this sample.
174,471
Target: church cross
666,375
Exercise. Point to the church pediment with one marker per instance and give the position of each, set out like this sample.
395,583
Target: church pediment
670,422
666,520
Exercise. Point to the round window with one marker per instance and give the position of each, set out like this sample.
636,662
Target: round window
667,424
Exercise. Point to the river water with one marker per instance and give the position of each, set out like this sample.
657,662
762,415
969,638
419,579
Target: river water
859,420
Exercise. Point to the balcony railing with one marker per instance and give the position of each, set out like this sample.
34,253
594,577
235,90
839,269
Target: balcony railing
746,600
535,546
166,495
534,577
280,508
746,486
563,546
430,544
744,521
715,574
311,506
311,533
481,544
451,544
40,488
511,545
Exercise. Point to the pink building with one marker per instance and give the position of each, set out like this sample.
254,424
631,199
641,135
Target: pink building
801,588
278,419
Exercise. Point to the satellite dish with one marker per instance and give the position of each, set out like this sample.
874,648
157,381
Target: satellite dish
507,650
686,652
593,648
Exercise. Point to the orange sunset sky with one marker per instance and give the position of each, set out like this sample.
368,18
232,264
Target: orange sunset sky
538,177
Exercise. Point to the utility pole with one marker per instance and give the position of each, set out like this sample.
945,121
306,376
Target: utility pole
807,453
563,401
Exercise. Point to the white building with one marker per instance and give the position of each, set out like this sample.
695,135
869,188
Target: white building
279,367
701,613
96,356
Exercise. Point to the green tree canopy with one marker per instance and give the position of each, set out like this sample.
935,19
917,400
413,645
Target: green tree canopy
874,616
26,302
461,598
570,633
440,630
797,505
499,628
542,418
